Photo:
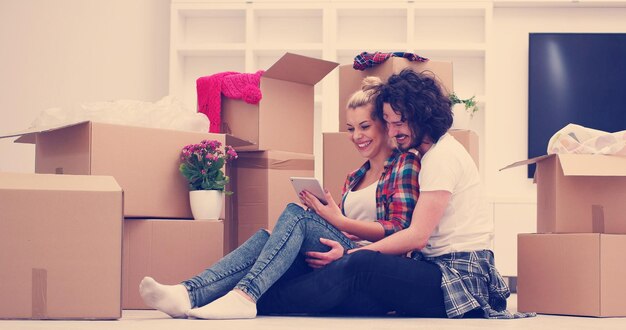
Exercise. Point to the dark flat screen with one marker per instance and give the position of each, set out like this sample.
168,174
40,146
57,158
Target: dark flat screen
577,78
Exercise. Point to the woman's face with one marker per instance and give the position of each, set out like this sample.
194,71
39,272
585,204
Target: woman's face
397,128
368,135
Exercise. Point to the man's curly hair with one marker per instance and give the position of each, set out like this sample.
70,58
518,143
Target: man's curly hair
419,100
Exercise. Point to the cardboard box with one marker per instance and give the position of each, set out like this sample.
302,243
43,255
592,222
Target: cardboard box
579,193
571,274
60,247
144,161
263,188
170,251
341,157
350,79
469,139
283,120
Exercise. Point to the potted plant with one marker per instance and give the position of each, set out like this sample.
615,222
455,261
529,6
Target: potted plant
462,117
202,165
470,104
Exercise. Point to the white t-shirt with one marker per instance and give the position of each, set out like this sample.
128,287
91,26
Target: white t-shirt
464,225
361,205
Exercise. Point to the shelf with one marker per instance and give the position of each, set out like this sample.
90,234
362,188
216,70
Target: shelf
218,49
208,37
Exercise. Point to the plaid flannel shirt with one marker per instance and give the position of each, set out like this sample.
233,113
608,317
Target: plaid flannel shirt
397,191
369,60
470,280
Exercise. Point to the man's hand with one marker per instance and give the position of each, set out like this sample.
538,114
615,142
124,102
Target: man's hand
321,259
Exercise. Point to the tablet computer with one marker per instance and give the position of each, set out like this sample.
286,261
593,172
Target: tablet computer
309,184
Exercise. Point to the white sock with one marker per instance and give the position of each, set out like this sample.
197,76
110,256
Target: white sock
172,300
231,306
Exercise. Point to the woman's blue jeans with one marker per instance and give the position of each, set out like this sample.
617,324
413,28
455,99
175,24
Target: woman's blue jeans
263,259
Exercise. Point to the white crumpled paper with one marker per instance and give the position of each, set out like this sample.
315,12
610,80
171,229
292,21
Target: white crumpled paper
576,139
168,113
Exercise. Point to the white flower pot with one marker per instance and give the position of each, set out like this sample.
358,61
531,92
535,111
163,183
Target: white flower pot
206,204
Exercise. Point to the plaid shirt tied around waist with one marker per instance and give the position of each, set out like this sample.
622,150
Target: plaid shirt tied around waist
470,280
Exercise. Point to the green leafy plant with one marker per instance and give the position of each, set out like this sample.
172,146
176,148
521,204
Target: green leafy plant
202,163
470,104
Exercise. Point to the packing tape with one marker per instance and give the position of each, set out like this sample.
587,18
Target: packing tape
276,164
597,218
39,293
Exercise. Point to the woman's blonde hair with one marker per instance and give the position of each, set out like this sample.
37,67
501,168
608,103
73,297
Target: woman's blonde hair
367,94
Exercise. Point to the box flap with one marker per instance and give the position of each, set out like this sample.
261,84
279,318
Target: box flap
592,165
300,69
238,143
28,135
58,182
526,162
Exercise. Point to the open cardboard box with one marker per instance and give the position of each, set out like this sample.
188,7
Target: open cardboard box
350,79
60,246
144,161
283,119
571,274
580,193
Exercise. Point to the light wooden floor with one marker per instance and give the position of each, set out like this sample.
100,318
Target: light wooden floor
153,320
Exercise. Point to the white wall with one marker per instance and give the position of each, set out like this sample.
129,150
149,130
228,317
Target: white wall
66,52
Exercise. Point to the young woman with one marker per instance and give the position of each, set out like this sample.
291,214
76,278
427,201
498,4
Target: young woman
377,201
451,272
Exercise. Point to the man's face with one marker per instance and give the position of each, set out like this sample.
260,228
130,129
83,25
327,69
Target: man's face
397,128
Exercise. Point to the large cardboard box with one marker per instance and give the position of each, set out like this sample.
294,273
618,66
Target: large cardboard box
144,161
580,193
263,188
469,140
283,120
571,274
60,247
350,79
170,251
340,157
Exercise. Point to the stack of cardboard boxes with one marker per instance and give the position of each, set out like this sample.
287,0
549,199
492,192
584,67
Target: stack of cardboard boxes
108,205
574,264
281,128
158,238
146,227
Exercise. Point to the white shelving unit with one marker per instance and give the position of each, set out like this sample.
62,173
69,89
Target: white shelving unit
215,36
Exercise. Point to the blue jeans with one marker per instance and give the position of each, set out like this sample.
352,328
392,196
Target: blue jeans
263,259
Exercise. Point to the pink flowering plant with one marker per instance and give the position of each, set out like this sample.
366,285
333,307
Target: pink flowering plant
201,164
